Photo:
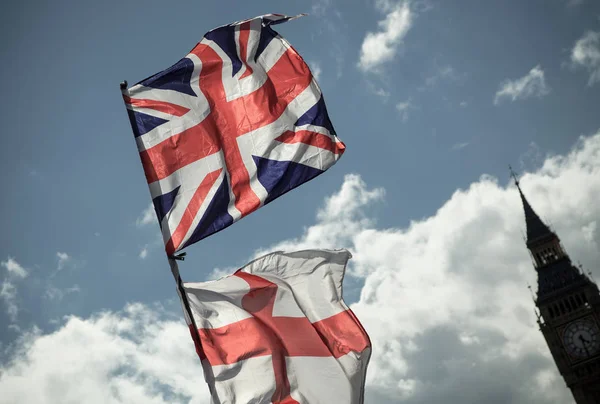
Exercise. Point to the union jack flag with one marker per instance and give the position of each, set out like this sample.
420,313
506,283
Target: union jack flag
233,125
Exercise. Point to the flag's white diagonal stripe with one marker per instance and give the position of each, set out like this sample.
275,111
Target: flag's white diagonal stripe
264,136
152,112
274,50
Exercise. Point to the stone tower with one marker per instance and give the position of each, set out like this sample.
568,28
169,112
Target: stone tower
569,309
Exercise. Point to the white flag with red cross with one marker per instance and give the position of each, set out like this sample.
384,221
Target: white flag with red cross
278,331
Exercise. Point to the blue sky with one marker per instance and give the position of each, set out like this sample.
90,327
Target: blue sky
427,95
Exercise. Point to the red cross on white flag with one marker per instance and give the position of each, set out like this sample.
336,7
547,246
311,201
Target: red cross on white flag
278,331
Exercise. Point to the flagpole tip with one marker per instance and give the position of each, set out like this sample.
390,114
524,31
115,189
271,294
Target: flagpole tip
123,85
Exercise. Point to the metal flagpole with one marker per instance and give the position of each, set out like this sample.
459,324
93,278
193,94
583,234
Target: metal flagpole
184,298
187,311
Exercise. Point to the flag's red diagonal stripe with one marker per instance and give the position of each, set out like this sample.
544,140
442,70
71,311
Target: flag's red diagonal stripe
180,150
196,142
191,211
244,36
313,139
161,106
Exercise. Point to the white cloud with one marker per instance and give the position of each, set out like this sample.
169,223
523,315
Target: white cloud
442,73
14,268
586,54
8,290
444,301
134,356
532,158
338,56
320,7
73,289
315,68
8,293
378,90
341,216
63,259
459,146
589,232
218,273
147,217
382,93
155,242
531,85
463,104
381,46
330,25
54,293
404,109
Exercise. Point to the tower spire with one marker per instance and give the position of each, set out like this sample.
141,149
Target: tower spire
536,229
567,307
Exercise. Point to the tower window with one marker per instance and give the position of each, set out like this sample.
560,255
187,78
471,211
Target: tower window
562,308
584,298
548,253
573,304
568,305
551,312
578,300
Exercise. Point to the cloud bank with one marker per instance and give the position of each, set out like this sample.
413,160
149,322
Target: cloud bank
138,355
444,300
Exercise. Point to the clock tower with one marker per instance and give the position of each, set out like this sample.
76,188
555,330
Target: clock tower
569,309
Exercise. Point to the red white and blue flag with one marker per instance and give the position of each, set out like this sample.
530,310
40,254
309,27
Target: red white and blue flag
233,125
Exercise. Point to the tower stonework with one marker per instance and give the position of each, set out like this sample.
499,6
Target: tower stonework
569,309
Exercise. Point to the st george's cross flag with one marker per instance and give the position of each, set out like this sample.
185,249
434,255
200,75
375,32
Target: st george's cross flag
233,125
278,331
